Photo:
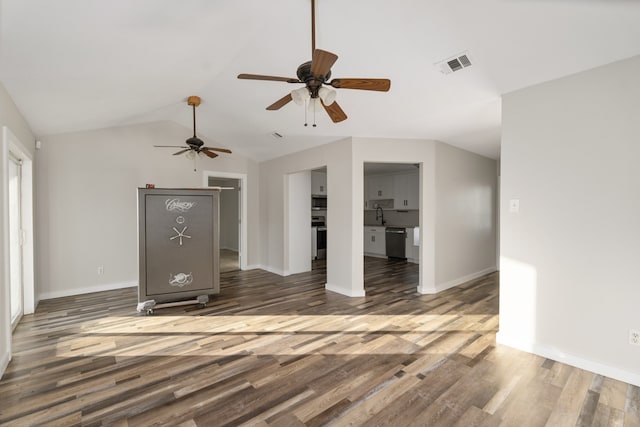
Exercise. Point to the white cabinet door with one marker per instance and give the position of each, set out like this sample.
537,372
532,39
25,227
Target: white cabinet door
318,183
411,251
380,187
413,191
400,194
374,241
405,191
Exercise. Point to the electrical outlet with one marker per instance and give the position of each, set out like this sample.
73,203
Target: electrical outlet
634,337
100,270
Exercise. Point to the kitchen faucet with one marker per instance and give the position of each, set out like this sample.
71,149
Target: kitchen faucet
381,216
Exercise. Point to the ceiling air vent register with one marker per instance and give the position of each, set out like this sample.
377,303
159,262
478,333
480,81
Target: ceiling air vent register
454,63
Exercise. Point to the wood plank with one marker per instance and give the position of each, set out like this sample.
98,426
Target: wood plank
281,351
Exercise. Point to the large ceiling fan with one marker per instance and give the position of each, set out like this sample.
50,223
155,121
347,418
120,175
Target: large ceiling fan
194,144
315,74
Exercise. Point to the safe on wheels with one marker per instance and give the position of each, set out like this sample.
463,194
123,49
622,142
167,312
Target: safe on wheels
178,247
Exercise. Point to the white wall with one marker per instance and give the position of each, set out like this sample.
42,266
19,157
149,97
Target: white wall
297,223
87,201
569,260
11,117
466,194
337,157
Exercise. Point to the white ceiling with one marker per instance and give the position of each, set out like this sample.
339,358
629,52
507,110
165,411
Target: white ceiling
73,65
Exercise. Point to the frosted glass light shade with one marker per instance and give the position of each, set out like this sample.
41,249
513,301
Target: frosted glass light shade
315,105
327,95
299,96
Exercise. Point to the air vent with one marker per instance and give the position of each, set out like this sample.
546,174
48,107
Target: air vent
455,63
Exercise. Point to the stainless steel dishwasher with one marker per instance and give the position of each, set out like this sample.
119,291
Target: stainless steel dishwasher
395,238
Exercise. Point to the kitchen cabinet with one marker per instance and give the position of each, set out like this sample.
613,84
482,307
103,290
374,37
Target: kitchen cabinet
318,183
379,187
412,252
402,188
374,241
405,191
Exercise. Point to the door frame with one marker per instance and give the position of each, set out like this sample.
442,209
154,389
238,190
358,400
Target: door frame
15,161
12,144
242,229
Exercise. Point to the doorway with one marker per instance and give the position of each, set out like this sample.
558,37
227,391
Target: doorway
16,288
230,233
17,211
391,223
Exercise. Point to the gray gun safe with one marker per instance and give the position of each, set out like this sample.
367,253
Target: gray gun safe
178,244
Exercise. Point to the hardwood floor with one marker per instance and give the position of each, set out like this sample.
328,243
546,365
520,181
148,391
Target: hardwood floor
229,260
273,351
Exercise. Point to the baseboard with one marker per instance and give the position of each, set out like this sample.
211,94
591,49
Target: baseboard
455,282
569,359
374,255
88,290
5,358
267,268
342,291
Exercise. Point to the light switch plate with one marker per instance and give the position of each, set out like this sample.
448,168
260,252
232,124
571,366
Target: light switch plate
514,205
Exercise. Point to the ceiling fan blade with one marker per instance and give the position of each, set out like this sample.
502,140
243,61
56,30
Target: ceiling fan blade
272,78
170,146
181,151
280,102
222,150
209,153
381,85
335,112
322,62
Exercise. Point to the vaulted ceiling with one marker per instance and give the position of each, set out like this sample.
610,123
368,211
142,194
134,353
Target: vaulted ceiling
74,65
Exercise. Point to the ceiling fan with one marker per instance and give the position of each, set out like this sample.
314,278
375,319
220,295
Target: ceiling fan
316,73
194,144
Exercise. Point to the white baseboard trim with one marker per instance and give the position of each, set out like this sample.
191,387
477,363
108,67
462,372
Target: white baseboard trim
455,282
374,255
5,358
88,290
342,291
267,268
569,359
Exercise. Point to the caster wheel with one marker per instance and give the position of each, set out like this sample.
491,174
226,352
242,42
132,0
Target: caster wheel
149,312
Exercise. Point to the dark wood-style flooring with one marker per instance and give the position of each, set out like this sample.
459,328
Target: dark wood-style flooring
273,351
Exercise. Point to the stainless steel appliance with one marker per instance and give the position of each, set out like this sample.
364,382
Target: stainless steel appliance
395,238
319,203
319,237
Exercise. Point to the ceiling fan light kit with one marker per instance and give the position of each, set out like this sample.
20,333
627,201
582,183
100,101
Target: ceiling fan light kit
314,74
327,95
300,96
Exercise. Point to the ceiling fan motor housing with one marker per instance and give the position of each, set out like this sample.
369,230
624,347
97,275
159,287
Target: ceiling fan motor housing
194,141
314,83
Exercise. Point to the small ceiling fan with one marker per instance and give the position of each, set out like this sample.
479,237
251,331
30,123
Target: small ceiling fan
194,144
316,73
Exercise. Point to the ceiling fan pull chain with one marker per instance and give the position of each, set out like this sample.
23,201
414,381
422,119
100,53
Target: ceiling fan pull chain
305,112
314,113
